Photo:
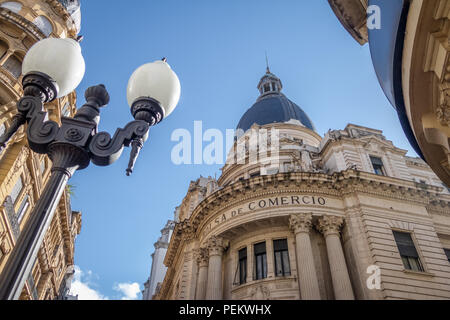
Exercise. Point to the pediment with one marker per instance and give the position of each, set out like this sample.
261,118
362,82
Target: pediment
374,143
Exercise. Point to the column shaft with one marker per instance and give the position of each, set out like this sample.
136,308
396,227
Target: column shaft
301,224
339,273
201,282
214,286
309,284
214,290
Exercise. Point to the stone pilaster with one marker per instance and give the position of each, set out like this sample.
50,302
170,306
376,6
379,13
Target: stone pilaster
202,258
214,284
301,225
330,226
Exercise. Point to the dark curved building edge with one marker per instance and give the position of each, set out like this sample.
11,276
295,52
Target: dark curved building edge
386,48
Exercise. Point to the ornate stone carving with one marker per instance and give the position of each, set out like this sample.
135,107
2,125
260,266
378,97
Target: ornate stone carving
330,225
443,109
301,223
186,230
215,246
260,293
12,216
307,163
201,255
353,16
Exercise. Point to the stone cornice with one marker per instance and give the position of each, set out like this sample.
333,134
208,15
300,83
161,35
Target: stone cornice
361,141
59,8
61,11
161,245
352,15
235,170
22,23
335,185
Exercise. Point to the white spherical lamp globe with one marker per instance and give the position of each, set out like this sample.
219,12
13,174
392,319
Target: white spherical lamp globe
155,80
60,59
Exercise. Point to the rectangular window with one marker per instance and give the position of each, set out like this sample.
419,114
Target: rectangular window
66,110
255,174
14,66
243,266
43,166
447,253
378,166
408,251
23,208
17,189
282,265
2,129
260,261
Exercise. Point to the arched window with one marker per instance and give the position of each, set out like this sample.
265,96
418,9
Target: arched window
44,25
12,5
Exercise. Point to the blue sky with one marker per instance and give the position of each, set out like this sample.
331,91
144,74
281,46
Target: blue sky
217,48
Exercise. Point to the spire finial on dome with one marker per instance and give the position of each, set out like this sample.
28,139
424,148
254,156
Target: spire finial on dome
269,83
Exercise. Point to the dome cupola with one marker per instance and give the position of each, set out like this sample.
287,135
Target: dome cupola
272,106
269,84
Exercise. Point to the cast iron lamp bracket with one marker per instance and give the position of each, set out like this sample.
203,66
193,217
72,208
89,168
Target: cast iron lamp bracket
79,134
71,147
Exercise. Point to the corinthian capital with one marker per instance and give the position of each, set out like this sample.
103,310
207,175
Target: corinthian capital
186,230
215,246
202,257
301,223
330,225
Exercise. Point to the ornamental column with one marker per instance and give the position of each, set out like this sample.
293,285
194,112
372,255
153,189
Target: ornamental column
214,284
301,224
330,226
202,258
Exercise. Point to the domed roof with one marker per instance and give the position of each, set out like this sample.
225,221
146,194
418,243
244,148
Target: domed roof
273,107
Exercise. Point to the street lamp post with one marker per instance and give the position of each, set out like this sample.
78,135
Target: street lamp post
52,69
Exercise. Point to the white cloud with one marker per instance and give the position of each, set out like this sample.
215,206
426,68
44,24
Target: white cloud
81,286
130,291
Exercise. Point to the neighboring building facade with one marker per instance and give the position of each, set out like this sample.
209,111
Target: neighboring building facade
24,174
158,270
311,217
411,54
198,190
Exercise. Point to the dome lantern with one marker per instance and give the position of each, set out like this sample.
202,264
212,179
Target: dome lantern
269,84
272,106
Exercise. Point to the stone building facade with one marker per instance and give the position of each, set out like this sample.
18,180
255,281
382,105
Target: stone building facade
24,174
345,216
158,270
410,49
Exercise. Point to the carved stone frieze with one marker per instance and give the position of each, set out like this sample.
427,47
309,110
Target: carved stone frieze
443,109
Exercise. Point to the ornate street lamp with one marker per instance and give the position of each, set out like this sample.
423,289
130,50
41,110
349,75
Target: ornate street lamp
53,68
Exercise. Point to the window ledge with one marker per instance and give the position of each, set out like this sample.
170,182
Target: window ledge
419,273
